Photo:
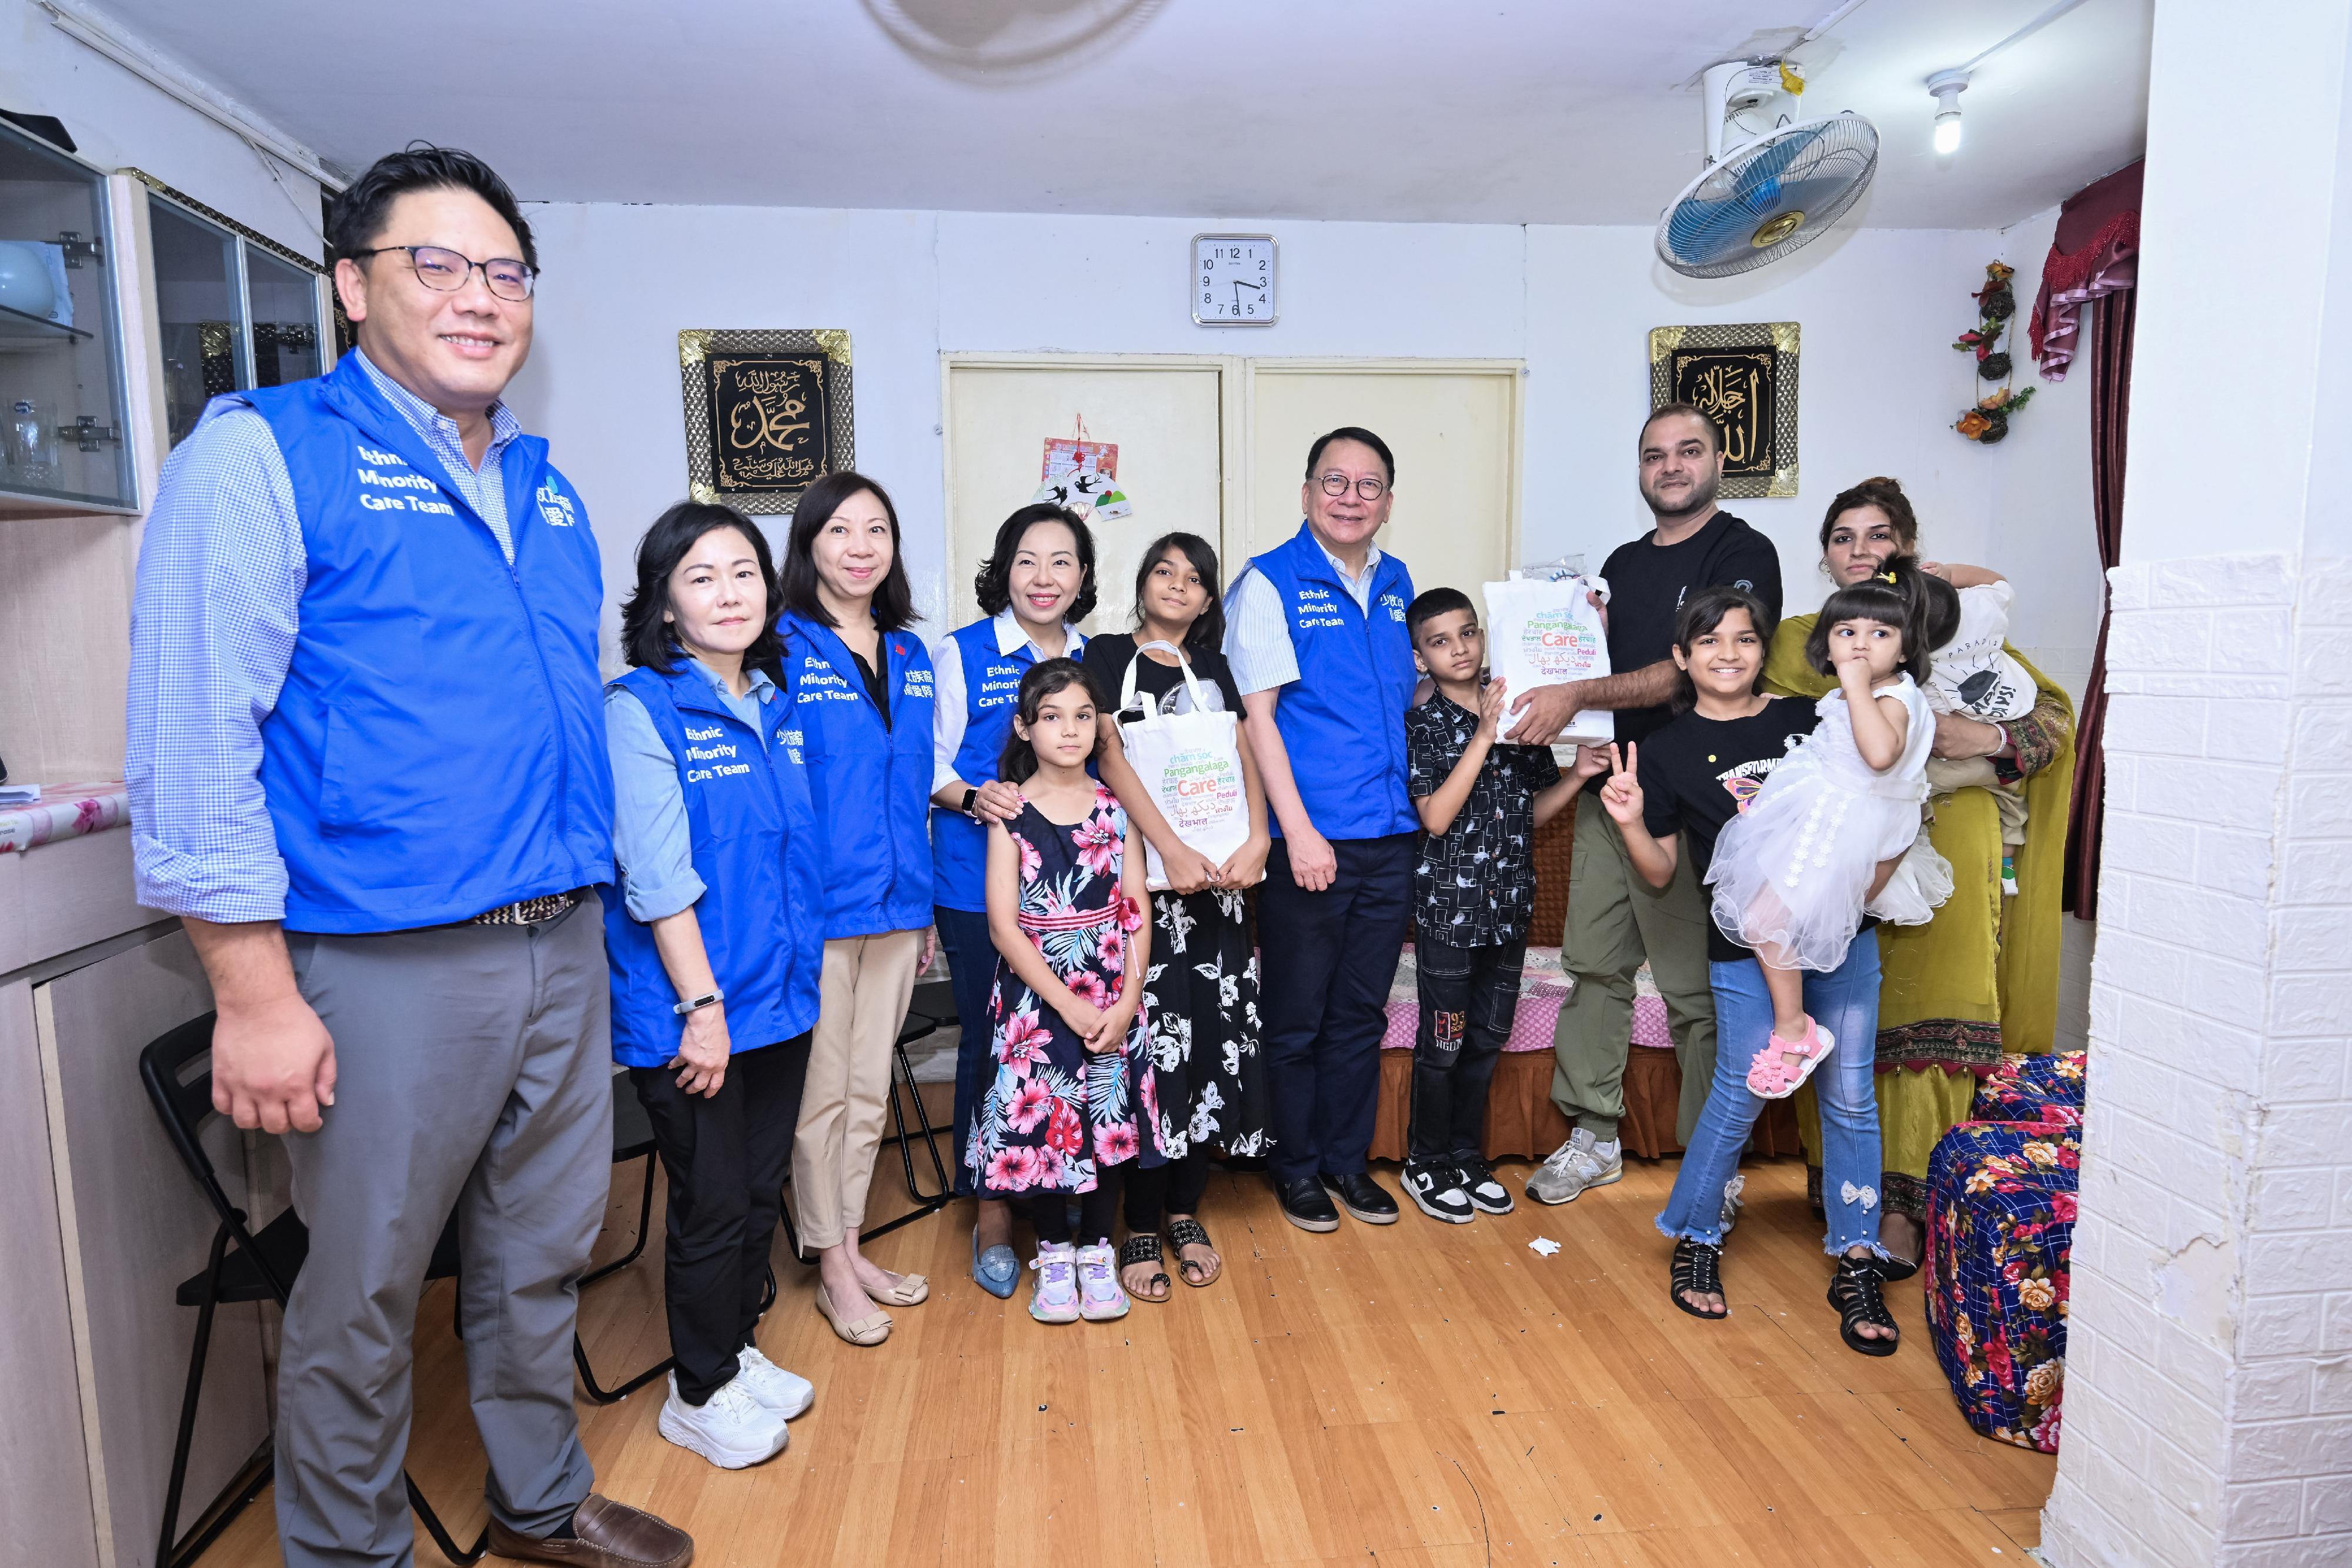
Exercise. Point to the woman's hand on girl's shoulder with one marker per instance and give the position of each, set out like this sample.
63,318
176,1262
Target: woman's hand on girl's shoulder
998,801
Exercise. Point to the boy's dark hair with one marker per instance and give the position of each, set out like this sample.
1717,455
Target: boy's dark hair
649,641
894,601
1042,679
1207,632
1361,436
1432,603
993,584
1702,612
355,221
1939,610
1892,599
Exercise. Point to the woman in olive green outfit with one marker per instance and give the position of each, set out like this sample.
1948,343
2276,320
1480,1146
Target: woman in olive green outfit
1982,976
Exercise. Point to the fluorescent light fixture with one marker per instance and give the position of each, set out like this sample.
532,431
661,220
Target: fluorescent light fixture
1946,87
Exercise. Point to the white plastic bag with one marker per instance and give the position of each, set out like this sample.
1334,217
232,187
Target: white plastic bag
1191,763
1541,631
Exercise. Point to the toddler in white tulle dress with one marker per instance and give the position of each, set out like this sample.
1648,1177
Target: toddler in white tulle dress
1833,834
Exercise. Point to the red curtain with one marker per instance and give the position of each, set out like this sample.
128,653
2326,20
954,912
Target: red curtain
2110,317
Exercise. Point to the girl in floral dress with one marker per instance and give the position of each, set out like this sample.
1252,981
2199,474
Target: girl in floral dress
1065,887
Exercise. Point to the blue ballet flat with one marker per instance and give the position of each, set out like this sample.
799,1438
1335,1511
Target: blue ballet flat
998,1269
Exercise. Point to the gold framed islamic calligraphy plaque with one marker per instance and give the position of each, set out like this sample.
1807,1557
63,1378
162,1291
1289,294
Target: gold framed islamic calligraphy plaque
767,414
1744,378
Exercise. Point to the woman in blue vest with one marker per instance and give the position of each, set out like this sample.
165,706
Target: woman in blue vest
863,688
716,941
1037,584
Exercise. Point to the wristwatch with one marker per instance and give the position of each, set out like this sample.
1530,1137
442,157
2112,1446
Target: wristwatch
970,797
711,998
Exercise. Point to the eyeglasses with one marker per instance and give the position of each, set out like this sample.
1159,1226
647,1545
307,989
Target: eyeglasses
1336,486
445,271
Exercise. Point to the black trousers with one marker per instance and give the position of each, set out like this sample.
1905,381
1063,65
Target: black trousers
726,1156
1175,1188
1049,1212
1326,960
1469,997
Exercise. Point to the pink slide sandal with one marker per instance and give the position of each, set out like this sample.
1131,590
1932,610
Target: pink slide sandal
1769,1078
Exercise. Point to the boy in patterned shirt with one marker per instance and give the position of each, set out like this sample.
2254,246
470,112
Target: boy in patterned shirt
1473,897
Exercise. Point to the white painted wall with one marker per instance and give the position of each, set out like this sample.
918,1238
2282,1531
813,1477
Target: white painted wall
118,121
1880,385
2208,1384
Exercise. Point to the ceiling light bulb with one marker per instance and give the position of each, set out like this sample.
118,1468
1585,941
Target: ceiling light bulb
1945,87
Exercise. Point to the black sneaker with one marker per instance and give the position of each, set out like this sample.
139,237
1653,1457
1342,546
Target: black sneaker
1436,1190
1488,1196
1362,1197
1304,1204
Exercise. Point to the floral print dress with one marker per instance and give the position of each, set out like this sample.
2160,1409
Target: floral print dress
1055,1114
1207,1082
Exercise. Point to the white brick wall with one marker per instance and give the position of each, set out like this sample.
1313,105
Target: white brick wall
2209,1390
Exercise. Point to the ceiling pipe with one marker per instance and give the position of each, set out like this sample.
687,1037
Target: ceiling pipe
161,74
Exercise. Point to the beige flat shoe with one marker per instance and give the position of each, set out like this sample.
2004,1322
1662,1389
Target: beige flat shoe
871,1329
911,1290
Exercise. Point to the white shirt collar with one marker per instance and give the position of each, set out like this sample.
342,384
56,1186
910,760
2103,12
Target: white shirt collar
1010,638
1371,562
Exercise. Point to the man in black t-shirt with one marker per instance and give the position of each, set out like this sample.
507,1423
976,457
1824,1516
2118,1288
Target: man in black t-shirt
1615,920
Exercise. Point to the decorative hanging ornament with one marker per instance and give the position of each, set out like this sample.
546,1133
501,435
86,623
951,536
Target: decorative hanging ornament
1988,422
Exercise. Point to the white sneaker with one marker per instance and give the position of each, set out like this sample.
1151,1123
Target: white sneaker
731,1429
787,1393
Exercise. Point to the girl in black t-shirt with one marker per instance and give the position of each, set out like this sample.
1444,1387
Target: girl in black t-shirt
1673,794
1207,1082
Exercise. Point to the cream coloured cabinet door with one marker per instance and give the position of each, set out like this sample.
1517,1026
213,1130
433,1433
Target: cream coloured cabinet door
1455,428
1166,417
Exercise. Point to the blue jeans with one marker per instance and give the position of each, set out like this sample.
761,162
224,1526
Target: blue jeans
1846,1002
971,975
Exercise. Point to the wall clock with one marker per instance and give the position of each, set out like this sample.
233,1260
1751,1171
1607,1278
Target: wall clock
1234,280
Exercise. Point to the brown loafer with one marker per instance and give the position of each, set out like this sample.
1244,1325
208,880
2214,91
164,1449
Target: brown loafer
608,1535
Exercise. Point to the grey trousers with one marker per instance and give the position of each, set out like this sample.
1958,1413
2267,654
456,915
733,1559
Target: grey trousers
474,1072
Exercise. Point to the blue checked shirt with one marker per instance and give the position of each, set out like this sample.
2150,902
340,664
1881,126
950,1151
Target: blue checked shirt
213,626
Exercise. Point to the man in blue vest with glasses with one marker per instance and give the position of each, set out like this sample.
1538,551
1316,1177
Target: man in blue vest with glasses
368,771
1319,649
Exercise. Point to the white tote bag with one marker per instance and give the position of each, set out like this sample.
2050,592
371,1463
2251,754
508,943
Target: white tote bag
1191,763
1542,633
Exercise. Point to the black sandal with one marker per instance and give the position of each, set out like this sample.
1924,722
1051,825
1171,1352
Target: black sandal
1190,1233
1856,1292
1144,1250
1698,1268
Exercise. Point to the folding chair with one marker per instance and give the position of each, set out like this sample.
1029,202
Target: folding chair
262,1269
931,1010
633,1138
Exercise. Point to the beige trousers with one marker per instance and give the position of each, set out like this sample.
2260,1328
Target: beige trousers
868,980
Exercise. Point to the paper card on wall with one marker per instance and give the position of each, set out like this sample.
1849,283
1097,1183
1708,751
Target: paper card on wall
1084,488
1543,631
1065,455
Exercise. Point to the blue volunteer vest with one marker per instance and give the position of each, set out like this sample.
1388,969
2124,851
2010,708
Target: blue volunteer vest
1342,721
872,786
991,693
755,845
438,748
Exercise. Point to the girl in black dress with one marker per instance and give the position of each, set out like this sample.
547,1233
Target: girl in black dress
1208,1080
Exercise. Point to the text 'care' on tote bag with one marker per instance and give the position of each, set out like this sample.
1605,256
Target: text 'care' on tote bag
1191,763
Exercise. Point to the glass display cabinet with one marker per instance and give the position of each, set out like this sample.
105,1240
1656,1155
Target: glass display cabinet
233,315
64,442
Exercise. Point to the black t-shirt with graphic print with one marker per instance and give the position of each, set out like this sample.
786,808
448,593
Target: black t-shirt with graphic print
1696,774
1649,582
1108,656
1473,885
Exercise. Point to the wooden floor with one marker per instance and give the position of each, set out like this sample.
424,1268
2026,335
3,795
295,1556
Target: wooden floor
1417,1393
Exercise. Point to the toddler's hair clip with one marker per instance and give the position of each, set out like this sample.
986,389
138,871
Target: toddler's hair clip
1886,576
